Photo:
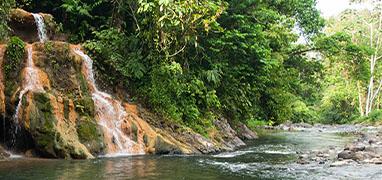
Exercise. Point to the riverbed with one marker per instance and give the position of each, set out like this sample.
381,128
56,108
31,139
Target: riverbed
273,156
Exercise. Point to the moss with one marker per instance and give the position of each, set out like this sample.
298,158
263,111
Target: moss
42,124
85,106
59,66
10,89
134,129
90,135
14,55
83,85
146,139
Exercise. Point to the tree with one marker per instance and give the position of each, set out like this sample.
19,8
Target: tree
364,28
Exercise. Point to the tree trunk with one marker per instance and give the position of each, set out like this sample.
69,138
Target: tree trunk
360,101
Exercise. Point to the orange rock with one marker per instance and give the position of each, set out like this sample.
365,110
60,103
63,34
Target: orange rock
132,108
2,88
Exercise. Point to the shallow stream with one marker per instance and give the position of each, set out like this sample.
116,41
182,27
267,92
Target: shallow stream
272,156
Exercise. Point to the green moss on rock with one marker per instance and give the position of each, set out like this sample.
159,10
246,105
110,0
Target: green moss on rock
90,135
85,106
134,129
42,125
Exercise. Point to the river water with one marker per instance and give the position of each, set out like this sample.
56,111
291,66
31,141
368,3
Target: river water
272,156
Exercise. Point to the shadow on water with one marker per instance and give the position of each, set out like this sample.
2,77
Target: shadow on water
273,156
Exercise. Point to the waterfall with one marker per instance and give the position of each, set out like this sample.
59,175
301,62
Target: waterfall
30,80
110,115
39,20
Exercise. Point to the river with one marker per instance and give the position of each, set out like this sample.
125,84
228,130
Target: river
272,156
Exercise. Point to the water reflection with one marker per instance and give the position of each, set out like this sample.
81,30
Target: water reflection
272,157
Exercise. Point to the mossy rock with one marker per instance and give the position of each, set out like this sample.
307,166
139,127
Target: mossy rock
13,59
90,135
54,58
134,130
85,106
42,125
163,146
43,129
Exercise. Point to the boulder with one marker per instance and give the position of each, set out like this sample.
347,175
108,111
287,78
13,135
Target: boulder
245,133
3,153
230,139
346,154
163,146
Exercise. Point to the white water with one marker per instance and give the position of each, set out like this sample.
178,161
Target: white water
231,154
30,80
39,20
110,115
13,156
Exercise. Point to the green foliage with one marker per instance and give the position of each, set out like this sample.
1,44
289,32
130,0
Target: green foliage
374,118
14,54
303,113
253,124
5,7
338,105
111,46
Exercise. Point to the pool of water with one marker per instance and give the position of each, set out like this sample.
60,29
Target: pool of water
273,156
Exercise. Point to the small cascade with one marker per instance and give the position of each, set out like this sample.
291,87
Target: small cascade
30,80
40,27
111,116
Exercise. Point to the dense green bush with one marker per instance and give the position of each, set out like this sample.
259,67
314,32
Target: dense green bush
14,54
303,113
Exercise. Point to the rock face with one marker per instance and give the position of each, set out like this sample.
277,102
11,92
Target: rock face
53,110
23,25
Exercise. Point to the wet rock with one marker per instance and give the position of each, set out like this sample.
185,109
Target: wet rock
346,154
3,153
303,161
163,146
376,160
341,163
23,25
30,153
366,149
355,148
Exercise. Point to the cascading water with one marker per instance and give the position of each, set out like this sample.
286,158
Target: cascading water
111,116
30,81
39,20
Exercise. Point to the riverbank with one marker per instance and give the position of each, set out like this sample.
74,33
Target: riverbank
366,148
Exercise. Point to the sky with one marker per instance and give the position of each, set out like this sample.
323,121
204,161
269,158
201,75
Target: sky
334,7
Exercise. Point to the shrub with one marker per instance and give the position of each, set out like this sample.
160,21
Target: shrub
14,54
